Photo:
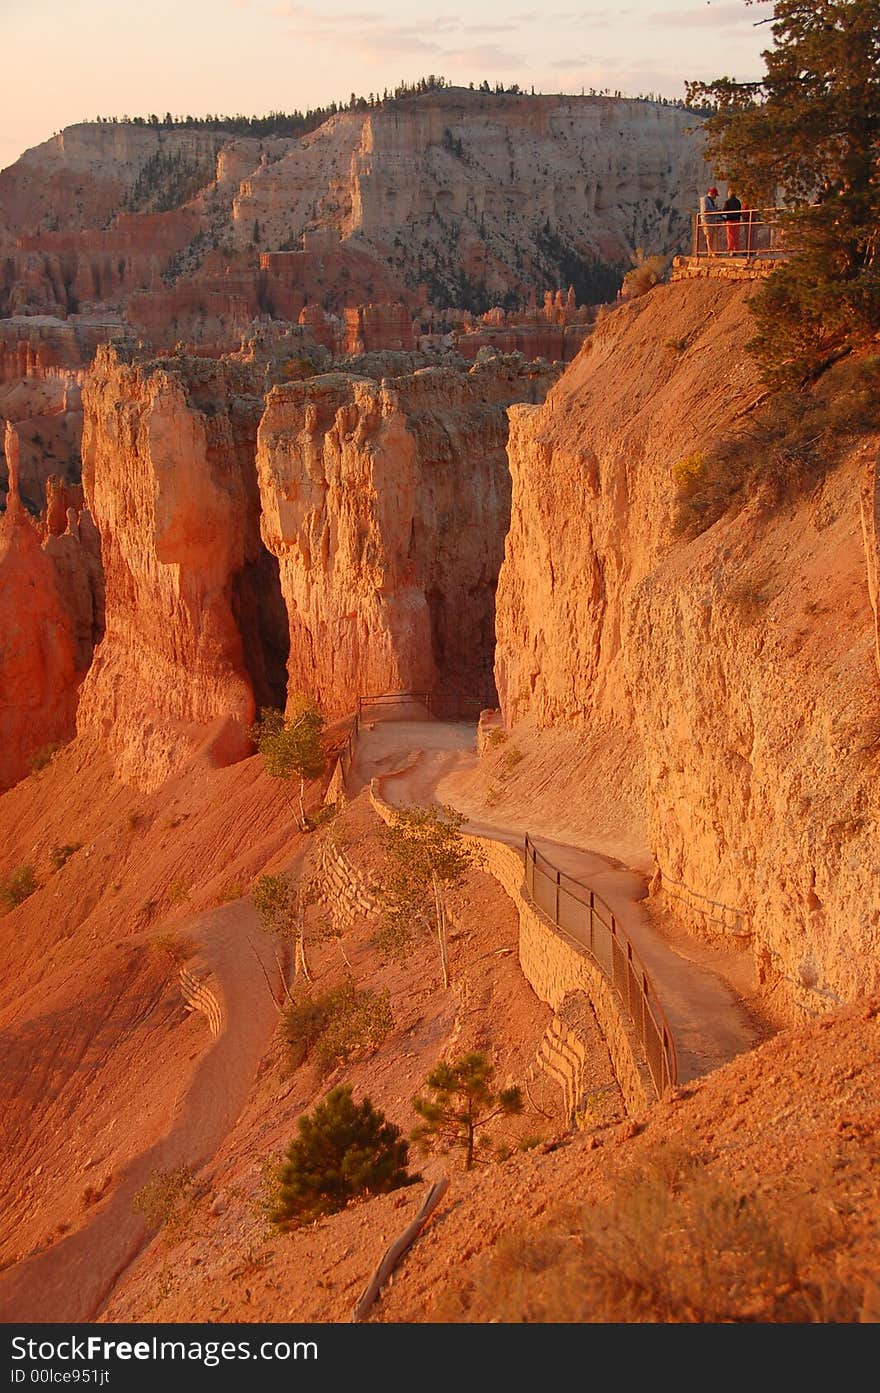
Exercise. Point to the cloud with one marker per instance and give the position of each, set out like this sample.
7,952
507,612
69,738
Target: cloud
372,36
710,17
370,42
483,56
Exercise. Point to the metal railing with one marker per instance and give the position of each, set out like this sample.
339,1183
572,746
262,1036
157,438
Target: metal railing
580,914
757,233
577,912
386,699
381,701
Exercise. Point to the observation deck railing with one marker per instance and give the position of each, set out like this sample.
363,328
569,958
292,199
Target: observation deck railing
757,232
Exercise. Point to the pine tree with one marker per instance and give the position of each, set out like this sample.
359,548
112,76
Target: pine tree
808,134
463,1102
343,1149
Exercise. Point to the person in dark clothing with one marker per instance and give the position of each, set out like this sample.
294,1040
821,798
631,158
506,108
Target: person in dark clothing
732,210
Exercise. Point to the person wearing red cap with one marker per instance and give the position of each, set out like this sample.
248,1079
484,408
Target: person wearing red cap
709,219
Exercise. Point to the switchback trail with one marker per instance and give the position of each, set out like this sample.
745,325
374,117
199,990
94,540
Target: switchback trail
709,1020
71,1280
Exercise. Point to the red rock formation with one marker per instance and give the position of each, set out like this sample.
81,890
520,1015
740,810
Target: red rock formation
169,477
38,676
387,507
335,277
192,313
320,327
378,329
61,499
737,666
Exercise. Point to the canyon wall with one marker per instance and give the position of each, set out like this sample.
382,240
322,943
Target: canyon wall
51,612
458,186
195,632
386,504
738,664
456,196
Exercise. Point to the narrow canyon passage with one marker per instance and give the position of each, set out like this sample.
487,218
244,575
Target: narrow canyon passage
708,1019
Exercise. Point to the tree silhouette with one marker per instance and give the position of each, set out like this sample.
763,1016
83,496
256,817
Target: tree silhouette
808,134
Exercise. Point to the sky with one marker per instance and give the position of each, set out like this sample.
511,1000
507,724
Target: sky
71,60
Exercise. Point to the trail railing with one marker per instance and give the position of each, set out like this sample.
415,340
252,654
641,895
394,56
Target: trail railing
574,909
756,233
582,915
376,706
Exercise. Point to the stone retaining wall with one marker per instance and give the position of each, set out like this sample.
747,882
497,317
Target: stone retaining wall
343,890
554,966
722,268
199,997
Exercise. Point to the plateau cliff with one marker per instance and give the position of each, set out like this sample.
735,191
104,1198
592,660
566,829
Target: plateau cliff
736,663
465,197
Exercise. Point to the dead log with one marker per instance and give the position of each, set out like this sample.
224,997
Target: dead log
397,1249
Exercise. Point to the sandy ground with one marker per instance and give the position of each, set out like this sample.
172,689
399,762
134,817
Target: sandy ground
107,1076
70,1280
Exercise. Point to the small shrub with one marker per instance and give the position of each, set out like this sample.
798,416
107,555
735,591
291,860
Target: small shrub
274,900
344,1149
496,738
336,1025
233,890
749,598
167,1200
43,757
357,1020
510,759
530,1142
177,892
133,820
17,886
60,855
171,945
304,1022
648,271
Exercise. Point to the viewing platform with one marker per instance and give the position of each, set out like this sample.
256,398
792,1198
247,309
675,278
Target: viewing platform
745,249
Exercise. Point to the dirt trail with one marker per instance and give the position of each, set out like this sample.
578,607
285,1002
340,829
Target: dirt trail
71,1280
708,1017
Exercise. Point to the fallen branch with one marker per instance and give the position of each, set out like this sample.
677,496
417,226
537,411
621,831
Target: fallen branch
278,1004
398,1248
532,1101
